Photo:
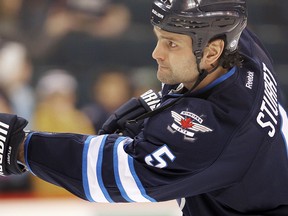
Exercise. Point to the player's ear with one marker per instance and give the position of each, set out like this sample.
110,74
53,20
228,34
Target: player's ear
212,53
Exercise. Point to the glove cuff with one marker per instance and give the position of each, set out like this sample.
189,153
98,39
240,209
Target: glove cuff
150,100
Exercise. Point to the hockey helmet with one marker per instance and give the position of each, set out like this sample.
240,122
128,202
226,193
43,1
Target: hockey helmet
202,20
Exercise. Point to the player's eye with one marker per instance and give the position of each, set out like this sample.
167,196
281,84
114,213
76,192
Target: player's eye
171,44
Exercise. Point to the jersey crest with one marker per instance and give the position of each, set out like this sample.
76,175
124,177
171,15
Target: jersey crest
188,124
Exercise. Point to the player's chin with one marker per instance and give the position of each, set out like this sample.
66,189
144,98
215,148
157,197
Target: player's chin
163,71
165,77
162,76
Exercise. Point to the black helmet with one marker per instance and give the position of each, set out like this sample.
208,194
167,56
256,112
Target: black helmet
203,20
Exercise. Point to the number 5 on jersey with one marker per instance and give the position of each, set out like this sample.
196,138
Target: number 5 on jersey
156,159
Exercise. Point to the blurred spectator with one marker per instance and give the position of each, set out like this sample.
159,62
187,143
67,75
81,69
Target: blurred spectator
56,111
110,90
99,18
16,70
9,17
143,79
72,20
84,36
5,103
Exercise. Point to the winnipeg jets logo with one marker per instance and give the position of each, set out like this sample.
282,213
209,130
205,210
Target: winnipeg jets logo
188,124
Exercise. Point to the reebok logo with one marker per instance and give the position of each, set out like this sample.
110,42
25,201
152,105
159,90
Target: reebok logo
249,79
3,134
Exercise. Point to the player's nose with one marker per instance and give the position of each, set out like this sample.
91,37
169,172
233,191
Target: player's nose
158,52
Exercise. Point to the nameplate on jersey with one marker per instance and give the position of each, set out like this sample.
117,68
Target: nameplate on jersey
269,111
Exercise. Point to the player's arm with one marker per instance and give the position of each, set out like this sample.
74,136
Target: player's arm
94,168
157,165
154,166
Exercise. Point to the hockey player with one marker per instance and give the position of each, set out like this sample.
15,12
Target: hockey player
216,143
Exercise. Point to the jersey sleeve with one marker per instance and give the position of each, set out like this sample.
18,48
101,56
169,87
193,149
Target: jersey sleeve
94,168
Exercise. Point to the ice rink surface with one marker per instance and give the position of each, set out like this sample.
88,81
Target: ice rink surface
77,207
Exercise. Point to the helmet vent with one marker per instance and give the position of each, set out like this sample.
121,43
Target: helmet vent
223,22
187,24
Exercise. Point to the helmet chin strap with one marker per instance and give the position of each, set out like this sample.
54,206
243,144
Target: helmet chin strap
202,75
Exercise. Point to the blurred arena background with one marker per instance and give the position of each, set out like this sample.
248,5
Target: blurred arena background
65,65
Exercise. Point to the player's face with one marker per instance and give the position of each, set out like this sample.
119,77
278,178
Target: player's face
175,58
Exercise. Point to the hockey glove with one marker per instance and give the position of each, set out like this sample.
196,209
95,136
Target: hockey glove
11,136
117,122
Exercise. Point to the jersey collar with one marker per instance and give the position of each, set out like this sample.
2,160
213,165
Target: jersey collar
216,82
179,90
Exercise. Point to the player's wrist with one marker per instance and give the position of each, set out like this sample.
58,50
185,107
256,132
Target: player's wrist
21,152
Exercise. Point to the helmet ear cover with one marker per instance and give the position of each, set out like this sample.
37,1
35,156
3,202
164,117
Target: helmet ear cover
200,25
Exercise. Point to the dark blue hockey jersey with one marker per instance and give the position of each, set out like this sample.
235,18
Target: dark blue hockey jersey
220,151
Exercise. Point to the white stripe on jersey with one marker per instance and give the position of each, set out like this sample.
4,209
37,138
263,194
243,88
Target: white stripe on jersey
284,126
92,170
127,181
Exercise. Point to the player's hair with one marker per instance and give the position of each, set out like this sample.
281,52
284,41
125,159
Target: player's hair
231,59
203,20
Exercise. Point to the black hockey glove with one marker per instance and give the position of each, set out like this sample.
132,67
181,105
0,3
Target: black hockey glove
11,136
118,121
